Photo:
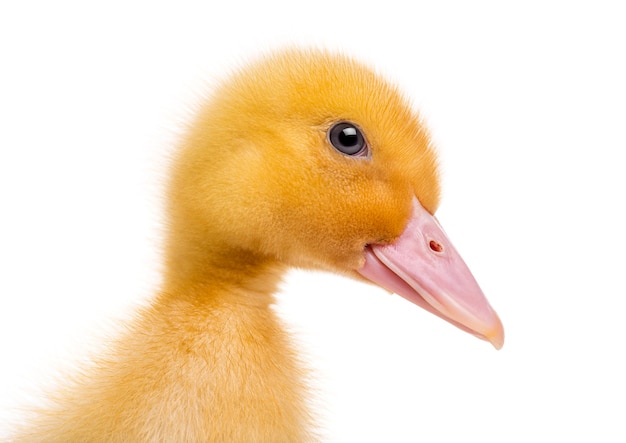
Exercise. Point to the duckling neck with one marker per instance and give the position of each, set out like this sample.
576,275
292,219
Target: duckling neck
224,345
230,276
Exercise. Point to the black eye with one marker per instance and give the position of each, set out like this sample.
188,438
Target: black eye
348,139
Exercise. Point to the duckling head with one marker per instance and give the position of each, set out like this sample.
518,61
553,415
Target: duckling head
310,159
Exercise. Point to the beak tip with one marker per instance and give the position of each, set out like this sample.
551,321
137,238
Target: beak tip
496,336
497,343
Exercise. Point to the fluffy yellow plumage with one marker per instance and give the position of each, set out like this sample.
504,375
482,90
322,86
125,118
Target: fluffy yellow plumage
255,187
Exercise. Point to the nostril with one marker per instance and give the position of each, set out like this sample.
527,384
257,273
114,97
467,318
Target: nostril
435,246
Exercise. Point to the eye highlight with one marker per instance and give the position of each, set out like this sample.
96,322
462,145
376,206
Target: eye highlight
348,139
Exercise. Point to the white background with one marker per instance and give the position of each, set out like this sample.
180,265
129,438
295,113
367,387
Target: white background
527,104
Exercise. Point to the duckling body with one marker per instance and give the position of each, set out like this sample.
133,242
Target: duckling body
302,159
203,366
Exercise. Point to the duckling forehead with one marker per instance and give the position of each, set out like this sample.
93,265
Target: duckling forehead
299,82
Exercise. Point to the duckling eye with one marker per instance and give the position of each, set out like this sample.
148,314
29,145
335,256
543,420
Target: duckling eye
348,139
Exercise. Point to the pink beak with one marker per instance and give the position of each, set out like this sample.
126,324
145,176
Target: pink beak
423,267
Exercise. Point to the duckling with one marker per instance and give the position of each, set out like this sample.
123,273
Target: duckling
303,158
